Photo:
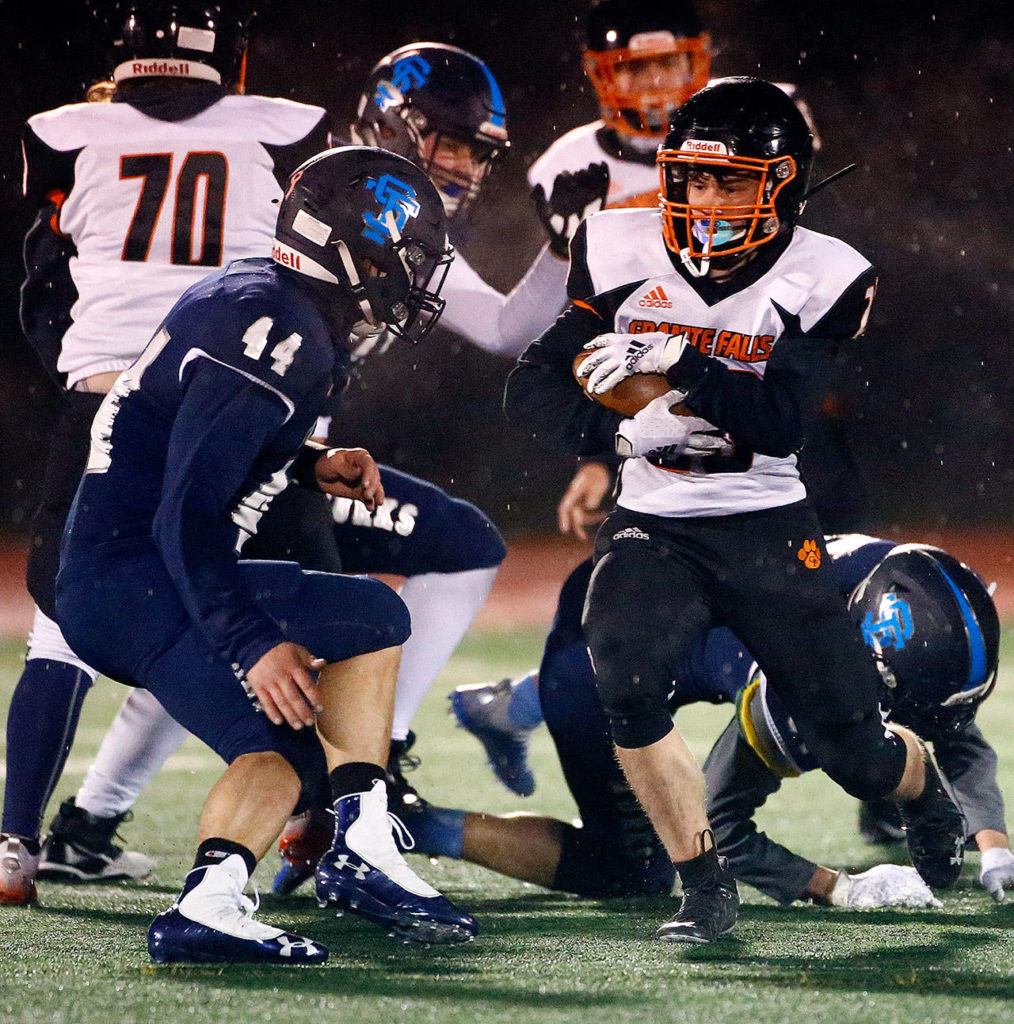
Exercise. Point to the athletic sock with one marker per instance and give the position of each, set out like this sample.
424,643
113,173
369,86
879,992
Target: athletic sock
213,851
41,723
354,777
139,741
524,709
442,606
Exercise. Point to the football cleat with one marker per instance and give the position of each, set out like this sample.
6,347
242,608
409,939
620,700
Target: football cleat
879,823
707,911
80,848
18,869
364,872
483,709
935,829
212,922
402,796
303,841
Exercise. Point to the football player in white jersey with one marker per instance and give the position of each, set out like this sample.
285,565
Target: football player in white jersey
137,199
712,523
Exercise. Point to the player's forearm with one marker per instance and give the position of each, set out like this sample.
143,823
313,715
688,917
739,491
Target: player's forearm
766,414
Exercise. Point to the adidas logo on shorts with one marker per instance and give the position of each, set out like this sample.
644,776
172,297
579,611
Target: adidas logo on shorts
631,533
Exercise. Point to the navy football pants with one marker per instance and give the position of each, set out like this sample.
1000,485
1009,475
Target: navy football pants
125,618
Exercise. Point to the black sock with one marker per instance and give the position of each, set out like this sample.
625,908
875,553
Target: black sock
214,851
354,777
702,869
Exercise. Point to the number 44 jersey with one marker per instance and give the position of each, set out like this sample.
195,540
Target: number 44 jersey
134,209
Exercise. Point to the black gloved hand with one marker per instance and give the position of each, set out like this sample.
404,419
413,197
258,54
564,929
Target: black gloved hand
575,196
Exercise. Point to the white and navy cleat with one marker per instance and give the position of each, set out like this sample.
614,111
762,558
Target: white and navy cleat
365,873
213,922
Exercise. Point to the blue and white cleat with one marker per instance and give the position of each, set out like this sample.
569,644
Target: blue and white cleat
483,709
364,872
212,922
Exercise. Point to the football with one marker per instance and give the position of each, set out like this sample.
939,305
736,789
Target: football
632,394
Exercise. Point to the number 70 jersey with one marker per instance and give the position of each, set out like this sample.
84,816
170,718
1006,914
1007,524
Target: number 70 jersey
151,206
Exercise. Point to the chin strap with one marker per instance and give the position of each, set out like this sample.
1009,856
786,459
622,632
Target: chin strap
687,259
358,289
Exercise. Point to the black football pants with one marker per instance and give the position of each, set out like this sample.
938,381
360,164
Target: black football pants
659,583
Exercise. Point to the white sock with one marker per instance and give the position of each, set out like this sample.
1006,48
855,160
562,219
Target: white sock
140,740
442,606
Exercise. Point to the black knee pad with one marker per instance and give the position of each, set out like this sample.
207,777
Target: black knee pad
631,651
861,757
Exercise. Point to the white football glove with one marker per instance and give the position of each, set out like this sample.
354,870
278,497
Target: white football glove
616,356
886,885
655,428
996,870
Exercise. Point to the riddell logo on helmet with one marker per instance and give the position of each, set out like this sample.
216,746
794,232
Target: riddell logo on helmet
287,257
655,299
704,146
161,67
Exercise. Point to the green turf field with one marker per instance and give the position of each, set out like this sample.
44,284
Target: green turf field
80,955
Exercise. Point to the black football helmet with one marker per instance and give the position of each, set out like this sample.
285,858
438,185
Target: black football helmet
177,39
934,631
419,93
625,37
371,222
734,126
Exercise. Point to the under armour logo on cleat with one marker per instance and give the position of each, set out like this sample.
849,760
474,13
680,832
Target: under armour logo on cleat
344,863
288,946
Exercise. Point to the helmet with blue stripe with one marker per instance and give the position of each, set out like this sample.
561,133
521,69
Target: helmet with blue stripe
935,634
422,99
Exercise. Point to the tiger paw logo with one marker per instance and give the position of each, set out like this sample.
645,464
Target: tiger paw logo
809,554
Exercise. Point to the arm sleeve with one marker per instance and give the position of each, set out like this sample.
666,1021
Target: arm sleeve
222,424
770,414
738,784
504,324
48,292
969,765
543,398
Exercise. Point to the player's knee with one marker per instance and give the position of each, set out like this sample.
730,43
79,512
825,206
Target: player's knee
475,542
861,757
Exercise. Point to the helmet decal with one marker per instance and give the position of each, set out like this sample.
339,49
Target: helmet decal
410,72
892,628
397,198
977,647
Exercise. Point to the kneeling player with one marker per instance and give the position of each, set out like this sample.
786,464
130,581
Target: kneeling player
933,631
187,451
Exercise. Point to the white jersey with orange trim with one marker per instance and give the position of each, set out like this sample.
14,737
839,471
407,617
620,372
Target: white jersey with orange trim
152,206
631,183
817,292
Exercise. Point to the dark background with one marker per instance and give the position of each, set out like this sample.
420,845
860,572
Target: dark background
919,95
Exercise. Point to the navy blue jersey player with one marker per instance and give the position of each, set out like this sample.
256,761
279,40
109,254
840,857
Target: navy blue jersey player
933,631
187,451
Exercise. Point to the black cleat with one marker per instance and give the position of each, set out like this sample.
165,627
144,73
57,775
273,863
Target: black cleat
80,848
708,910
401,794
880,823
935,830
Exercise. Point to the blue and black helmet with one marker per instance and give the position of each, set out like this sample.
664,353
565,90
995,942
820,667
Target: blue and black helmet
370,222
423,91
935,634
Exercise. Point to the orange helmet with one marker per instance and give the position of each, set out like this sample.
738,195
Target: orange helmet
645,58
